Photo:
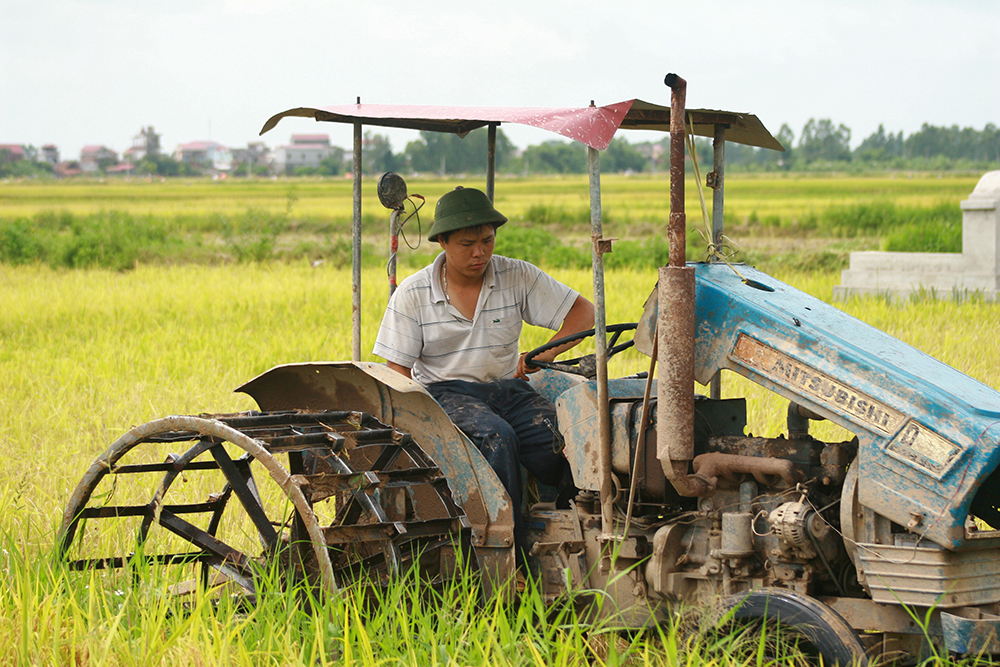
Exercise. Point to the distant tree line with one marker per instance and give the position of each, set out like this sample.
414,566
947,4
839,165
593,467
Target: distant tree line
824,146
22,166
445,153
820,146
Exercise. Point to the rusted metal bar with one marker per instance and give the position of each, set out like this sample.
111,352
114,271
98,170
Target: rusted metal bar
719,182
718,203
365,502
715,387
393,248
676,326
356,248
115,562
227,560
677,229
238,481
640,437
295,443
323,485
368,532
117,511
491,159
201,538
391,529
600,246
342,418
162,467
452,526
357,503
675,386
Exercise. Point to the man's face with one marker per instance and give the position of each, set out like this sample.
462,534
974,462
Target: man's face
469,250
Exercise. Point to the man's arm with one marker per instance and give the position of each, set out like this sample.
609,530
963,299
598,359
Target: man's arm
399,339
402,370
579,318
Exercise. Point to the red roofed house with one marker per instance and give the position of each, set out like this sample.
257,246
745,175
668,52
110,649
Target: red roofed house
306,150
11,152
94,158
205,154
66,169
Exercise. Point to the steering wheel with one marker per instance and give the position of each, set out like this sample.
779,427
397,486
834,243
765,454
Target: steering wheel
586,365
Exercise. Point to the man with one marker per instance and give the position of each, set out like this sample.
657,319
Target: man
454,327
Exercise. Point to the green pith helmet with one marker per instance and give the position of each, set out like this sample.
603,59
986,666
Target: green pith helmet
461,208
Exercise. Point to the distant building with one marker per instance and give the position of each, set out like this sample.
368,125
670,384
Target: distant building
66,169
11,152
50,154
256,154
306,150
123,168
205,154
310,139
94,158
145,144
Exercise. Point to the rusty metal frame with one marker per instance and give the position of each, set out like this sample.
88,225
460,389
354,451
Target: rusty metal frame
718,185
379,472
600,245
635,114
356,246
404,404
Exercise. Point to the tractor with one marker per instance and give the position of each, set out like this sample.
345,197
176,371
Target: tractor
350,472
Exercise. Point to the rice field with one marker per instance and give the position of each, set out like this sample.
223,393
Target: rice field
631,202
85,355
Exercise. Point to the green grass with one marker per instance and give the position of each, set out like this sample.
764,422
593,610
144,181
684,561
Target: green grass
632,206
124,302
55,617
86,354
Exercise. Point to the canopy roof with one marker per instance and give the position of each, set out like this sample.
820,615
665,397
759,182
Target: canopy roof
593,126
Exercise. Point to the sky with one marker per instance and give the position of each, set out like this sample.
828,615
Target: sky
82,72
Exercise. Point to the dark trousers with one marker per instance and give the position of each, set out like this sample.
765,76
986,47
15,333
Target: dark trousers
512,425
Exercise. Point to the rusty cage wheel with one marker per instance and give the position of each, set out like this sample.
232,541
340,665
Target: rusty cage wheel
351,500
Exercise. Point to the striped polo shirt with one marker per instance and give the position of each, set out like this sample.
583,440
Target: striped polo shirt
423,332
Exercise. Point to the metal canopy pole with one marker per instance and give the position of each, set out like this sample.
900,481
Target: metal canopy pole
491,159
393,248
601,246
718,186
356,248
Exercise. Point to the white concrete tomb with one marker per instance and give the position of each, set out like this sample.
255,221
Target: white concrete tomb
945,275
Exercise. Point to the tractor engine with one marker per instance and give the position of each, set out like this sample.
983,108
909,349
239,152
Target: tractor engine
773,519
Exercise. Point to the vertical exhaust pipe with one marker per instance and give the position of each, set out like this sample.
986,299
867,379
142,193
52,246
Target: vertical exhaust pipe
676,325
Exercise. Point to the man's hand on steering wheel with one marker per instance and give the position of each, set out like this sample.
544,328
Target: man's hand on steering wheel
523,369
586,366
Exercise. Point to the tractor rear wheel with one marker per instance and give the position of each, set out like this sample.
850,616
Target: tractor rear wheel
816,630
351,501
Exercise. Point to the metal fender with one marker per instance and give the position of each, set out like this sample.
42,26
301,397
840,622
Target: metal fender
404,404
